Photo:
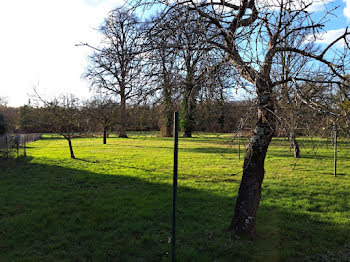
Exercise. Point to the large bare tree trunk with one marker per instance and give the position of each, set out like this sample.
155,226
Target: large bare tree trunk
122,130
243,221
71,148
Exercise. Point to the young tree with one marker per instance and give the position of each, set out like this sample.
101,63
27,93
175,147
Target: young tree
252,34
116,66
103,110
64,115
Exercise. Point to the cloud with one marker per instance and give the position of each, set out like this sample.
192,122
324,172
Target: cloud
316,5
328,37
347,9
37,45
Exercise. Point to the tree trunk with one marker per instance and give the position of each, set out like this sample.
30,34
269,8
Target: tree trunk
294,144
187,110
188,104
122,130
222,113
104,136
71,148
167,116
243,221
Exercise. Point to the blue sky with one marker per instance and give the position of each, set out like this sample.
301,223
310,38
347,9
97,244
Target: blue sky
38,39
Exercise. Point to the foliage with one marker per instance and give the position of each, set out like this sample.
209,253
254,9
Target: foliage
3,124
114,202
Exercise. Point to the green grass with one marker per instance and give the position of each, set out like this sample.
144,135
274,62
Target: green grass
113,203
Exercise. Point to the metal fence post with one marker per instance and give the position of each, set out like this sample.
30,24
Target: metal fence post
176,138
24,145
239,147
335,148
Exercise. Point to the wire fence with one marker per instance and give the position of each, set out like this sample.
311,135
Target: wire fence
15,144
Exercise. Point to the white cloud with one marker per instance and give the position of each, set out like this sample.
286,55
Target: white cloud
329,36
37,45
347,9
316,5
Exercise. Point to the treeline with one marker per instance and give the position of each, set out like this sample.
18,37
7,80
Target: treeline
95,116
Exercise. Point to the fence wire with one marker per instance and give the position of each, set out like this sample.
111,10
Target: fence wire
14,144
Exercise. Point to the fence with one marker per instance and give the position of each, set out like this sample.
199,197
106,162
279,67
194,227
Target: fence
14,143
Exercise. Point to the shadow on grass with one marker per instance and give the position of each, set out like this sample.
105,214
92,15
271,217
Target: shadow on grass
53,213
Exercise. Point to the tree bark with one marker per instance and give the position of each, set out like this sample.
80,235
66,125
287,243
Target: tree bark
244,219
187,110
104,136
294,144
188,104
167,116
122,130
71,148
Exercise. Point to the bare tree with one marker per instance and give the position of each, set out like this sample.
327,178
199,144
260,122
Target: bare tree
64,115
116,66
164,70
342,100
103,110
252,34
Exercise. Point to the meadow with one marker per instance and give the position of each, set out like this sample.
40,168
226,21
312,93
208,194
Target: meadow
113,203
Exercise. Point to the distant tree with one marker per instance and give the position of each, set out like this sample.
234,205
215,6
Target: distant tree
27,118
342,100
164,71
8,116
103,110
116,66
183,64
3,101
3,125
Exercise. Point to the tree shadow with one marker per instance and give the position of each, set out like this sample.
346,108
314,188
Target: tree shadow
54,213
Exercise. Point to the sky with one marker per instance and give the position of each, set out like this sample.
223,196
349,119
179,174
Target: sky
38,44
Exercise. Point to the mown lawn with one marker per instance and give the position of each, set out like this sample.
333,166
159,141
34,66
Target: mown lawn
113,203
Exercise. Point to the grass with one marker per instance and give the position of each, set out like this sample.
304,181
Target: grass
113,203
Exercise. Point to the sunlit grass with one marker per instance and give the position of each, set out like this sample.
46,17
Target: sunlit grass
113,203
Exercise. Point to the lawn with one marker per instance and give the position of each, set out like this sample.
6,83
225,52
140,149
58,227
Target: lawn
113,203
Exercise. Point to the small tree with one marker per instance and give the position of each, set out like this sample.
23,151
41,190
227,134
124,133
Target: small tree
65,118
103,110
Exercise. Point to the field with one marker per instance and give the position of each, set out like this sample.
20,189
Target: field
113,203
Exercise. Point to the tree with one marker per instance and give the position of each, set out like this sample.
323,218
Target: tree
164,71
3,125
116,66
64,115
3,122
252,34
342,100
180,42
103,110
